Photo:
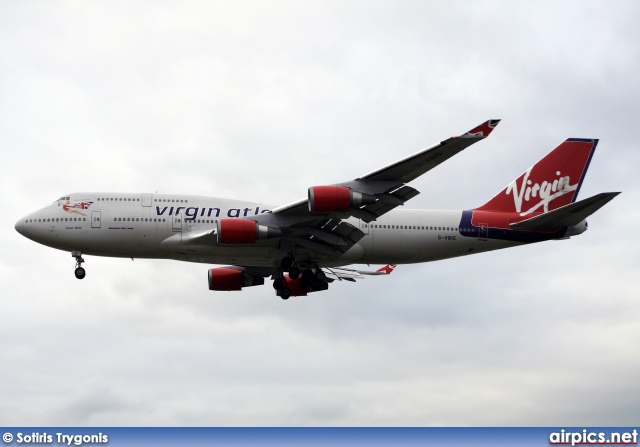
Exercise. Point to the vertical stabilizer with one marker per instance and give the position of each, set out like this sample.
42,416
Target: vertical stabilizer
552,182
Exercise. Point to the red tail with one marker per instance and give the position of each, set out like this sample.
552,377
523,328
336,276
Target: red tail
551,183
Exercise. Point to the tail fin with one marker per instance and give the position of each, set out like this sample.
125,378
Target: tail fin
551,183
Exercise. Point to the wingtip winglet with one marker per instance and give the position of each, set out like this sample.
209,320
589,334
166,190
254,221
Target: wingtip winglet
483,130
387,269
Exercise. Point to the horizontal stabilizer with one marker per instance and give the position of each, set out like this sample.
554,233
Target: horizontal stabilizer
568,215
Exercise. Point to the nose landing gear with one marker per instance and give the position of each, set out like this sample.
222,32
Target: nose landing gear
79,272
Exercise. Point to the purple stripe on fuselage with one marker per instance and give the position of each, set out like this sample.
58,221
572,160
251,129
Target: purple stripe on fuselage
467,229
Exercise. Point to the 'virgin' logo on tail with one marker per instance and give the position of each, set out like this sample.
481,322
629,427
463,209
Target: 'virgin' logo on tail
546,192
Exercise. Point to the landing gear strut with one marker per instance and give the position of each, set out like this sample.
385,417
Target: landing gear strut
288,264
79,272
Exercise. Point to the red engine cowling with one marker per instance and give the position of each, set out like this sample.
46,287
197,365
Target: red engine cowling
336,199
329,199
243,231
227,279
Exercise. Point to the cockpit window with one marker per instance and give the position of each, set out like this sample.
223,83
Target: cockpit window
62,198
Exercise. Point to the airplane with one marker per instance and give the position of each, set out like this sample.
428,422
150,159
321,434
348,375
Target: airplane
308,244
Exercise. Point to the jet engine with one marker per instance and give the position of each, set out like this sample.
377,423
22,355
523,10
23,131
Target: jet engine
336,199
243,231
227,279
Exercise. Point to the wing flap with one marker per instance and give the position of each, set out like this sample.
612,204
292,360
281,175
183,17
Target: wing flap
386,202
568,215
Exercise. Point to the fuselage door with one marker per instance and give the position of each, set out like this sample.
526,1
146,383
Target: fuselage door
95,219
177,221
364,227
146,199
483,233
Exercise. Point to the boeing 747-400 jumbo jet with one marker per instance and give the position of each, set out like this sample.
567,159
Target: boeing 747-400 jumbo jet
306,245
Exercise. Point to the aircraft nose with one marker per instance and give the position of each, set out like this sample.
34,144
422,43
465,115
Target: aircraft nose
20,226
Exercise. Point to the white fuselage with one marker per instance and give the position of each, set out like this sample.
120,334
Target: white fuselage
159,225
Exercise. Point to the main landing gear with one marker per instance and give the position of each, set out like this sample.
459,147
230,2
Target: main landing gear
79,272
309,278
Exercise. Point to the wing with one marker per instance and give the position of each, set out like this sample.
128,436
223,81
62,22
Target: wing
387,184
412,167
347,274
317,223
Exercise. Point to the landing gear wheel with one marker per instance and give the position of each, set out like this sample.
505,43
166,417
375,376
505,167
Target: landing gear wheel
80,273
285,294
278,283
294,273
319,275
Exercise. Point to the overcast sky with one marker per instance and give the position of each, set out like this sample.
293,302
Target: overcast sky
260,100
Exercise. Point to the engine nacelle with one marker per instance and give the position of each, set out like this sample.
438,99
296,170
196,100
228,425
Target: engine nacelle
227,279
243,231
336,199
